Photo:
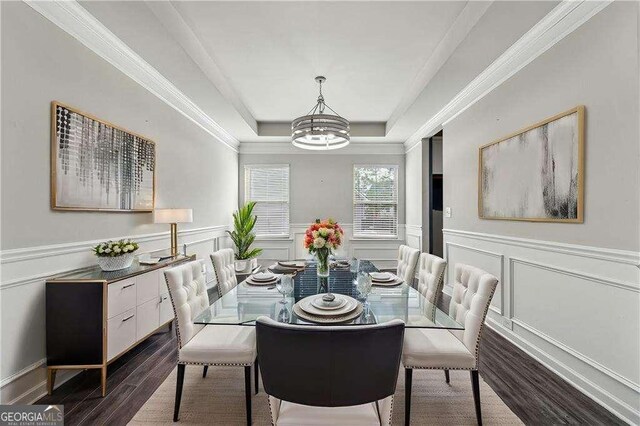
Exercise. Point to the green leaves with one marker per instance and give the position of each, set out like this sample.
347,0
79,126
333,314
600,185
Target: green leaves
242,235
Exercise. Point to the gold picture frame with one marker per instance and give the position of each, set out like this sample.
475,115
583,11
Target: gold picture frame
579,111
56,201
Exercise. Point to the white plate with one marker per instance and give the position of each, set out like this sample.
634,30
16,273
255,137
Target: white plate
392,283
263,276
305,305
319,303
382,276
264,283
327,319
291,264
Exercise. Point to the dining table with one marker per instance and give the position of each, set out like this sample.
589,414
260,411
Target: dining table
245,303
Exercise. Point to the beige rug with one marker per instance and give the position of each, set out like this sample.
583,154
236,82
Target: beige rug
219,400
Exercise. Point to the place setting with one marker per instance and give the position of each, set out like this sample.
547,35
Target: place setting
328,308
385,279
287,267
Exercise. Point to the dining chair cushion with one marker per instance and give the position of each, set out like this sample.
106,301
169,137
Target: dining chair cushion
188,292
224,267
430,276
288,413
433,348
221,345
407,259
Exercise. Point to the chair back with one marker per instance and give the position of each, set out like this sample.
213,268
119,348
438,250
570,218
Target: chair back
329,366
430,276
188,293
470,299
407,259
224,267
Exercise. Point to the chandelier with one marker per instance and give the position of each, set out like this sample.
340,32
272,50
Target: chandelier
320,131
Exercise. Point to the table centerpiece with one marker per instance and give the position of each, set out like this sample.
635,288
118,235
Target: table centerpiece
321,238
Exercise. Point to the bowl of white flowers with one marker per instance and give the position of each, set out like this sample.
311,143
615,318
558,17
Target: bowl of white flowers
115,255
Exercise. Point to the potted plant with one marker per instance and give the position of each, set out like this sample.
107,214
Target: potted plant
242,236
114,255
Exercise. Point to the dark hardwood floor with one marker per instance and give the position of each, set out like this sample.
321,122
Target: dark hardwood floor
531,391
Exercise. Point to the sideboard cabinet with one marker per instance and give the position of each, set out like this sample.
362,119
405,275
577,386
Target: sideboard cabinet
93,317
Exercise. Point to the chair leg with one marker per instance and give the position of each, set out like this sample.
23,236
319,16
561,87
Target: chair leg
256,372
204,371
475,384
446,376
247,391
408,373
179,383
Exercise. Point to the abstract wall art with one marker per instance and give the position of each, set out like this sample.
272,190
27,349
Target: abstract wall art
535,174
98,166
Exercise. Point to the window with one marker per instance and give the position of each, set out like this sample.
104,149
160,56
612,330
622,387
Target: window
375,201
268,186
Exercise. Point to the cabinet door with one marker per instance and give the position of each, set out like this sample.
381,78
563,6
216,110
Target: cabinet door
162,283
122,297
147,287
147,318
166,309
121,333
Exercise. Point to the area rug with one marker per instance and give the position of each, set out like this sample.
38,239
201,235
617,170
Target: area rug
218,399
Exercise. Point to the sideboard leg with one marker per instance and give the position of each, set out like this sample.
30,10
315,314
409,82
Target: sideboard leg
51,380
103,380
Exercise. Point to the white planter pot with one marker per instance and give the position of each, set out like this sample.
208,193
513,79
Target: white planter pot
246,266
115,263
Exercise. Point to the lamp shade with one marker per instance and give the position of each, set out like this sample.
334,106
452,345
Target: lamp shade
173,216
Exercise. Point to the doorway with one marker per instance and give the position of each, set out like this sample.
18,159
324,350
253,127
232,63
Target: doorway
435,181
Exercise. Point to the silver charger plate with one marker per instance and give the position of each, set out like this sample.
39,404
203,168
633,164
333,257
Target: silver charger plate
392,283
306,305
250,281
327,319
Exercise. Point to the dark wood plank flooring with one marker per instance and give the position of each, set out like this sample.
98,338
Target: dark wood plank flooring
531,391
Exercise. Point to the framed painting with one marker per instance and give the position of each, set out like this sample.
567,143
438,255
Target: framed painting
535,174
98,166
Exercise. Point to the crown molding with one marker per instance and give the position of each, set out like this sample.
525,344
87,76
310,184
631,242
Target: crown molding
361,148
189,39
72,18
464,23
557,24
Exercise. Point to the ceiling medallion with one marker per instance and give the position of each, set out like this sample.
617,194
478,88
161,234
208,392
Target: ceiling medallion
320,131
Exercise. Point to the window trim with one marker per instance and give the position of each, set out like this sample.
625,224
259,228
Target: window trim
287,235
396,183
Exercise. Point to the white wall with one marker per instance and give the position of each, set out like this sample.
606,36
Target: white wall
41,63
568,292
321,186
416,197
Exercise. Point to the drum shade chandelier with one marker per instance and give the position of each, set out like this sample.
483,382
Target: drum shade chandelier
320,131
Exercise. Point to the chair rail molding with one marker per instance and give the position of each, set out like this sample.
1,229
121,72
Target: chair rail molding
556,25
571,339
72,18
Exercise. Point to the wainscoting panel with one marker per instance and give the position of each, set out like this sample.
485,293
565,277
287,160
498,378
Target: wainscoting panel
24,272
573,308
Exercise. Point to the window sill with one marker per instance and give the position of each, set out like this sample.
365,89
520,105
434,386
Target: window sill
274,238
377,238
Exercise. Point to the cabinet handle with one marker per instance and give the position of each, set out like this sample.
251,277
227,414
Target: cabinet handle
128,285
162,299
128,318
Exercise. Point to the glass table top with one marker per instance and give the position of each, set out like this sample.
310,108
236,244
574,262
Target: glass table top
244,304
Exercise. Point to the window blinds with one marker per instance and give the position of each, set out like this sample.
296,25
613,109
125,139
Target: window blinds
268,186
375,201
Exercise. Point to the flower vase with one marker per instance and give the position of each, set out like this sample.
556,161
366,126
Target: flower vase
115,263
323,262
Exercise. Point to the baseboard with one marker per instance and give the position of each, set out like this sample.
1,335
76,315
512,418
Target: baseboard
31,384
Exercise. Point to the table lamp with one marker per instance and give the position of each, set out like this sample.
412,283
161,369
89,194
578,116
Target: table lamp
173,216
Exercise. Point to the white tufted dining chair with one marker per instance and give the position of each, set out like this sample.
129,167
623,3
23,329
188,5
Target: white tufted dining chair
455,349
407,259
224,267
228,345
431,279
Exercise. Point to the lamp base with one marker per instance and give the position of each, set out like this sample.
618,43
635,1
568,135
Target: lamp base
174,239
